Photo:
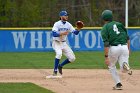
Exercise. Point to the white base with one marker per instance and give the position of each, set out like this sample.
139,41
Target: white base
51,76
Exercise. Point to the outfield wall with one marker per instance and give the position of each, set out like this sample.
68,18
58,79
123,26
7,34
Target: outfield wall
33,40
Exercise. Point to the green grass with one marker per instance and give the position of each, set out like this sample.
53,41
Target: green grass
26,60
22,88
135,60
84,60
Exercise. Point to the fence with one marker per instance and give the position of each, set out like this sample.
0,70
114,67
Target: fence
29,40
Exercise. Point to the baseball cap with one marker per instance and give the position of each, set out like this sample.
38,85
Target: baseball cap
63,13
107,15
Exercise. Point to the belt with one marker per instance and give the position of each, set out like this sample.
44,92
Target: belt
59,41
118,44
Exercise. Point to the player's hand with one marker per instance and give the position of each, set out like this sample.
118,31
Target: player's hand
64,33
129,52
78,29
107,62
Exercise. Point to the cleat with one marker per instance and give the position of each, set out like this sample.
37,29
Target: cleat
54,75
118,86
130,72
127,68
60,69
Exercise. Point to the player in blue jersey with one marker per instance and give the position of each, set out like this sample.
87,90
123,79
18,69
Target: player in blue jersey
60,31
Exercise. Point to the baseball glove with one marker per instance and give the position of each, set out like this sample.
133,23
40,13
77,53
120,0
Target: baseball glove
79,24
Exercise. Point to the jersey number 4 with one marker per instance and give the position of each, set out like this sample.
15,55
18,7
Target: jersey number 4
115,28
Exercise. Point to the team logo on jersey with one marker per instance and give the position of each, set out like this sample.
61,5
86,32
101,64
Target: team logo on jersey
135,40
62,29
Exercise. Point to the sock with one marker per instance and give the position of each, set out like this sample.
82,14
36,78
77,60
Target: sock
64,62
56,64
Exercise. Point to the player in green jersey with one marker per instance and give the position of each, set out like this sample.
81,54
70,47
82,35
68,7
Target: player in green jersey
116,46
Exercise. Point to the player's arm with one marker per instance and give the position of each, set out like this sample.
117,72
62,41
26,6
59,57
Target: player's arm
76,32
73,30
58,34
128,39
106,50
128,43
55,32
106,45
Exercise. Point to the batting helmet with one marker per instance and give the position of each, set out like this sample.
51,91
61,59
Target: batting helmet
107,15
63,13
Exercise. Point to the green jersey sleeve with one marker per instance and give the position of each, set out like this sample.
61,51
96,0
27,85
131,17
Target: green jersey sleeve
104,34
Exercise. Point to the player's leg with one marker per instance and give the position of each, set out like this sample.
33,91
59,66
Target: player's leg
123,60
58,50
113,57
60,66
67,51
70,57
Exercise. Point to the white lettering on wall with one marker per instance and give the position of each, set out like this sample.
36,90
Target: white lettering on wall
19,38
77,39
48,40
92,40
42,39
36,39
99,37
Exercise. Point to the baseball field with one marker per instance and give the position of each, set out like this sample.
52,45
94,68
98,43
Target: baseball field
24,72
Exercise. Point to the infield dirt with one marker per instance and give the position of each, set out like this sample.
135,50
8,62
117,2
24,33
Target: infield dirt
74,80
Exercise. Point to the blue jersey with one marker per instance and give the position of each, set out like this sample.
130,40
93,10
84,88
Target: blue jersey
60,26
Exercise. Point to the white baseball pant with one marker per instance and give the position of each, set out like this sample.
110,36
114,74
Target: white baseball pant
62,48
119,54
